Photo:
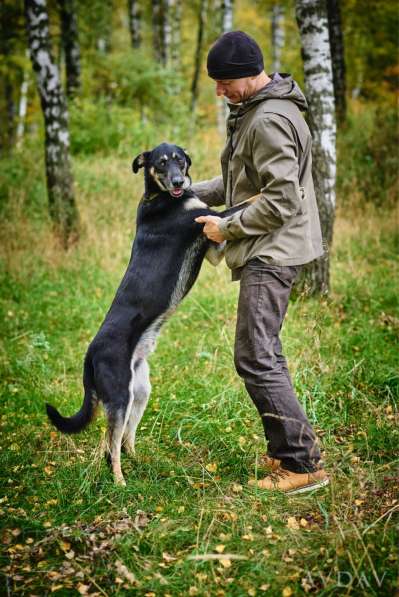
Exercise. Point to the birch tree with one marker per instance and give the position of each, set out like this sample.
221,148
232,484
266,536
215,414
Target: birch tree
198,53
226,8
70,44
337,57
134,22
277,31
162,32
58,170
175,18
313,26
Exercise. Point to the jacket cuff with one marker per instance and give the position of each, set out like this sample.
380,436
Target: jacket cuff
231,227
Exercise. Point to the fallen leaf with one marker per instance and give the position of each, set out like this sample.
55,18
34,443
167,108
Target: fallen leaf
287,592
123,571
303,522
211,467
220,548
292,523
237,488
226,563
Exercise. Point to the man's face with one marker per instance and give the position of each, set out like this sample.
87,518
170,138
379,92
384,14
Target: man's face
235,90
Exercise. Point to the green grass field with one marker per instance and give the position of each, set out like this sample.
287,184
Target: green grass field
187,523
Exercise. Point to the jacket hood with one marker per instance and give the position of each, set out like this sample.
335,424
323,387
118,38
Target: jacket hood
281,86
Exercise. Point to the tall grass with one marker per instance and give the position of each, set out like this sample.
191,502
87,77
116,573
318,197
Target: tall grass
187,523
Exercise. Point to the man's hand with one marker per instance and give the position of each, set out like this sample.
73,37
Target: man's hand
211,228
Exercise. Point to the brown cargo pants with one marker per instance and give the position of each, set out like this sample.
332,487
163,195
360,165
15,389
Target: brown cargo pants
258,357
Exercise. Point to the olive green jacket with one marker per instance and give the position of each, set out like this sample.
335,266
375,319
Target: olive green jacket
268,152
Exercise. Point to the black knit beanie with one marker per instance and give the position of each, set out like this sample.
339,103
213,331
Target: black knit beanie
233,56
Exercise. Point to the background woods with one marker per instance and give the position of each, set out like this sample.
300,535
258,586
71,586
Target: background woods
85,87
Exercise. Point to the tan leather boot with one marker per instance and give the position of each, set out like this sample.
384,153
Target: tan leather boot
268,464
290,483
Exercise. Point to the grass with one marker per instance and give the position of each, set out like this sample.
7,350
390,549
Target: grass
187,523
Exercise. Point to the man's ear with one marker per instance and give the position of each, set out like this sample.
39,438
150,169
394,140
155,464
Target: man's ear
188,160
140,161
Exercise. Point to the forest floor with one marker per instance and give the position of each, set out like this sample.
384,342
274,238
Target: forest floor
187,523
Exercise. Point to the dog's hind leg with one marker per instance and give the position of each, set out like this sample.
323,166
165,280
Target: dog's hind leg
141,394
117,423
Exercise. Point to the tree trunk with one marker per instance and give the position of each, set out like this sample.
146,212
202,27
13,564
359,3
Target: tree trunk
134,23
198,53
226,7
313,25
104,26
70,44
277,27
227,15
58,171
162,33
23,104
7,102
175,16
337,57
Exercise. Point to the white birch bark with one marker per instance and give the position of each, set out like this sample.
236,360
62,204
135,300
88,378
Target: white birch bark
58,171
22,106
277,29
166,30
313,25
226,8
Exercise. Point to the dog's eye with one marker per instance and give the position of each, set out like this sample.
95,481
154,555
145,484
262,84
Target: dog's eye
162,162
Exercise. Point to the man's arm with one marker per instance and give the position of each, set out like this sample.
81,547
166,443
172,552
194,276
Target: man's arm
275,158
210,191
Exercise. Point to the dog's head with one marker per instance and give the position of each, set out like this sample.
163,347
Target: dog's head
167,166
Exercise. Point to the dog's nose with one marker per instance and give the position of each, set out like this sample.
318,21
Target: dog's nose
177,181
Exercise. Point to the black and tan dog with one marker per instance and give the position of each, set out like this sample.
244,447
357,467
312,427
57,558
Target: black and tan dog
166,257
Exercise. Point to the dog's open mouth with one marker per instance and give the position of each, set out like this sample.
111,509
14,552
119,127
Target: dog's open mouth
176,192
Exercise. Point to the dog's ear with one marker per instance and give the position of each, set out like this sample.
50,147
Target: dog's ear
140,161
188,159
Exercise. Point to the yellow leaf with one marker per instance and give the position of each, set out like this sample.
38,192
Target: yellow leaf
303,522
220,548
65,546
193,591
83,589
237,488
251,592
70,554
287,592
292,523
226,563
359,502
211,467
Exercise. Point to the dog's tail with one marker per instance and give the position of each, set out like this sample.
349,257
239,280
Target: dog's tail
87,411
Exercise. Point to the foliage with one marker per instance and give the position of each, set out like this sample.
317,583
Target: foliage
368,162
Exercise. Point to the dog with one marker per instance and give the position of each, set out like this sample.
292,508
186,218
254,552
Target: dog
168,250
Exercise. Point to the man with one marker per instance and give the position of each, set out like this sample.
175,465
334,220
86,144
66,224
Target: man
268,155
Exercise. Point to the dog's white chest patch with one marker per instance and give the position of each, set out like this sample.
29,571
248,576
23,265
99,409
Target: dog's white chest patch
193,203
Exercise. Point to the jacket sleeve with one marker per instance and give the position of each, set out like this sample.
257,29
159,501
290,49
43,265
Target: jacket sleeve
274,154
210,191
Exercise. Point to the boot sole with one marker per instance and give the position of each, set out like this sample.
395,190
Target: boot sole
311,487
